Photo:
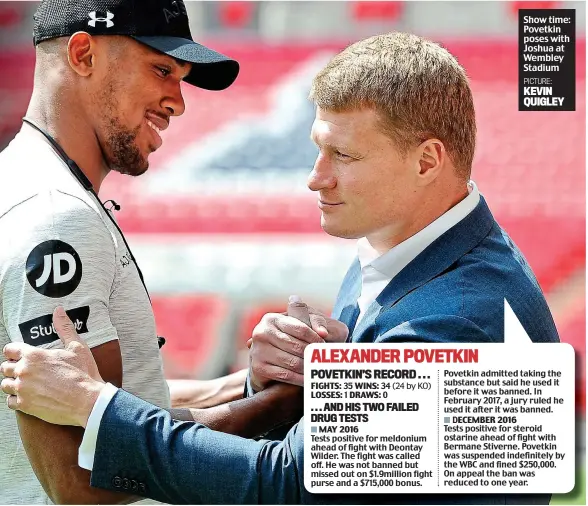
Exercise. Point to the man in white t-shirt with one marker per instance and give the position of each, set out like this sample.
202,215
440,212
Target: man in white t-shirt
107,82
61,247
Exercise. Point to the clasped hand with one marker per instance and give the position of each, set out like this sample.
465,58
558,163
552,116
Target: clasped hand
59,386
278,343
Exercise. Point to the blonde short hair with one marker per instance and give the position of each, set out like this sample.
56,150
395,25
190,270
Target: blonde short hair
418,88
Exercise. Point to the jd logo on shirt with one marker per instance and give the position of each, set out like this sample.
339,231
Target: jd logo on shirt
39,331
54,269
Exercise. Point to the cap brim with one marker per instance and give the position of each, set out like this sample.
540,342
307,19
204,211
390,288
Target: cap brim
210,70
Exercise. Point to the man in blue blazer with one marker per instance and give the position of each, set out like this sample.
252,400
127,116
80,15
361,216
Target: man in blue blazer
395,128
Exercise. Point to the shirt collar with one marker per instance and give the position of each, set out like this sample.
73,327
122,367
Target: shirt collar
394,260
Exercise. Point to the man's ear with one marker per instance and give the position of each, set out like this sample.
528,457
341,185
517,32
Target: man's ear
432,157
81,53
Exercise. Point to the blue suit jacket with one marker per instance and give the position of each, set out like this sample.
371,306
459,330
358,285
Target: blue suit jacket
453,291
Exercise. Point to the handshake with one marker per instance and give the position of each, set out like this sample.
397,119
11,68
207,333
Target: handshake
276,348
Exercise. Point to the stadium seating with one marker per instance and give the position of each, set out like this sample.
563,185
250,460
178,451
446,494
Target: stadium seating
192,326
9,15
234,189
574,333
554,246
16,82
236,14
236,164
532,4
250,317
369,11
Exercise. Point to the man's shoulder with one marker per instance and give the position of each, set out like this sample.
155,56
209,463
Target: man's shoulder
51,206
497,271
470,295
31,170
52,214
493,271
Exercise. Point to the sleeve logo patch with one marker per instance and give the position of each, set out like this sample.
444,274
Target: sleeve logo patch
39,331
54,269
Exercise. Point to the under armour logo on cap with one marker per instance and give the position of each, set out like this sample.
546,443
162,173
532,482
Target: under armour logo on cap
108,19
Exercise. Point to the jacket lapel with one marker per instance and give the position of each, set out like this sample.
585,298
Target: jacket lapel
367,321
440,255
433,261
346,309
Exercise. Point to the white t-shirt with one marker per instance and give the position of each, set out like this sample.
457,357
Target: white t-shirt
59,247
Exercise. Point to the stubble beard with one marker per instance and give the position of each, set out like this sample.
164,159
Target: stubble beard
123,155
120,151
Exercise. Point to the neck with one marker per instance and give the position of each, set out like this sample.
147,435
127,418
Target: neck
71,130
424,213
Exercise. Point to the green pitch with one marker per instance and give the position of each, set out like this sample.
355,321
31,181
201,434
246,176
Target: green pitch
576,496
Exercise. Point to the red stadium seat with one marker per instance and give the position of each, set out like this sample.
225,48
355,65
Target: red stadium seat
515,6
371,11
574,333
236,14
249,319
221,214
192,326
247,322
16,82
554,247
9,16
252,316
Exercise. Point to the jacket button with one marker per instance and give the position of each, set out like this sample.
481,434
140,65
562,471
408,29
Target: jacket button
116,481
126,483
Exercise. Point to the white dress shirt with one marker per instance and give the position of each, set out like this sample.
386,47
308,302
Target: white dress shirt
376,272
88,446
